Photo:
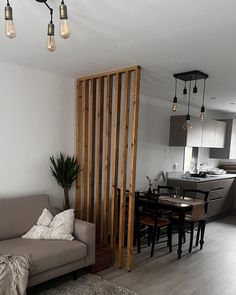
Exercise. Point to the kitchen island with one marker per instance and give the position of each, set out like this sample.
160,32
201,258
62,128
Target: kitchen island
221,192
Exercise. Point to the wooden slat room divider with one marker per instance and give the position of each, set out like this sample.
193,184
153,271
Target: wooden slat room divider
106,105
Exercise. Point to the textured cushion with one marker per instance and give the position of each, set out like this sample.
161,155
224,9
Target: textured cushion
48,228
18,215
45,254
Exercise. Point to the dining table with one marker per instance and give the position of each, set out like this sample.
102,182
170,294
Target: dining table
181,207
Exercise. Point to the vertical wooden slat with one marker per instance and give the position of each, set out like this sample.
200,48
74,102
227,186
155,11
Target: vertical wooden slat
115,160
79,112
99,155
125,133
133,169
92,132
85,148
106,214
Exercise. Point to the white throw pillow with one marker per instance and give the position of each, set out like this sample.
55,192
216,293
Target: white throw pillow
60,227
45,218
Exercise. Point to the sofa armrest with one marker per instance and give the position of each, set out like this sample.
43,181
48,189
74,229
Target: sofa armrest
85,233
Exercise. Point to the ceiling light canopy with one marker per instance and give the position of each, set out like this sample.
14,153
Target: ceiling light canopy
51,42
189,77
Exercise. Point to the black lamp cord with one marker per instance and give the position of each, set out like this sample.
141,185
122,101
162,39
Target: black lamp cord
175,86
189,95
204,90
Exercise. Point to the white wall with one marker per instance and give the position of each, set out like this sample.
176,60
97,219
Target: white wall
37,120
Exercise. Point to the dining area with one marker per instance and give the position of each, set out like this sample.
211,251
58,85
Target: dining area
163,212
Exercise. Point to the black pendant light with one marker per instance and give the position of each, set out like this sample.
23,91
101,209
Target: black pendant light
203,109
175,100
185,92
195,89
190,77
187,124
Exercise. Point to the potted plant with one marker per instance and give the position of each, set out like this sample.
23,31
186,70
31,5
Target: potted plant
65,170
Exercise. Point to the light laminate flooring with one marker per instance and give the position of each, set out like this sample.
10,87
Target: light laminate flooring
211,271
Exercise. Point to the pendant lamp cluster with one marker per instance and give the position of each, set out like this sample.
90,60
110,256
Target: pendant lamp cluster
51,42
188,78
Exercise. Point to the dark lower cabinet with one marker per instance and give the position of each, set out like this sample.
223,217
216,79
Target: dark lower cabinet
221,194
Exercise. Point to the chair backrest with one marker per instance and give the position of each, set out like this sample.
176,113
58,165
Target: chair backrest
197,194
166,190
146,206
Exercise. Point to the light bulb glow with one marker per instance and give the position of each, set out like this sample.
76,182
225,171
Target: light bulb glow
174,107
203,116
187,125
10,29
64,28
51,44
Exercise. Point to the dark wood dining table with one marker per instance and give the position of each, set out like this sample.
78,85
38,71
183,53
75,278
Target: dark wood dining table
177,205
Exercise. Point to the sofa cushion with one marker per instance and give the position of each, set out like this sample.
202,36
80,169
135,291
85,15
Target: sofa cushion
45,254
18,215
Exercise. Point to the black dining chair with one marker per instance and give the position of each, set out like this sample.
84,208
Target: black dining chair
147,221
200,195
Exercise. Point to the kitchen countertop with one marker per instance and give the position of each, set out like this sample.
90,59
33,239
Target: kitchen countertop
208,178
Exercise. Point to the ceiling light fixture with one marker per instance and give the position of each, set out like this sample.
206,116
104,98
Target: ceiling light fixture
187,124
64,24
195,90
185,92
10,30
189,77
175,99
51,43
203,109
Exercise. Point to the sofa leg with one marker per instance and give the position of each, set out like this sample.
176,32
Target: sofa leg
75,275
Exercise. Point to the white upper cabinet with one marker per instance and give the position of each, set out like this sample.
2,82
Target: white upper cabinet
194,137
220,134
213,134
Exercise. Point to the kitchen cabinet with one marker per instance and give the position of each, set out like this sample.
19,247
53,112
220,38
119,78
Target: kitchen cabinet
210,133
229,150
220,193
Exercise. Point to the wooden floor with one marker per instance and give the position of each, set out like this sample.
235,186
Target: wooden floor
211,271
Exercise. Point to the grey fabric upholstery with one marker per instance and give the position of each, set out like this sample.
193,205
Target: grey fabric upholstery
18,215
49,258
85,232
45,254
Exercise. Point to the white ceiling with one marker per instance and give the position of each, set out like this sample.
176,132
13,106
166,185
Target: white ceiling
164,37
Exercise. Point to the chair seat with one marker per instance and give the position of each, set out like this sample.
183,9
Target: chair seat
149,220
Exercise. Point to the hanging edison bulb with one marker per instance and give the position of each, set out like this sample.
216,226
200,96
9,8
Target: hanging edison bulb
187,123
174,106
51,42
203,113
10,30
64,23
175,100
203,109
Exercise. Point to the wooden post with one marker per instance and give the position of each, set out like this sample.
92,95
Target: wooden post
125,134
99,160
106,213
79,110
133,169
115,161
85,149
92,132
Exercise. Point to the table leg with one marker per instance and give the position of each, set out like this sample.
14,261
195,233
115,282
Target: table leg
181,230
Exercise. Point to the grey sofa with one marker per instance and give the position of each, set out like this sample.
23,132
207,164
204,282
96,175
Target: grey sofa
50,259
